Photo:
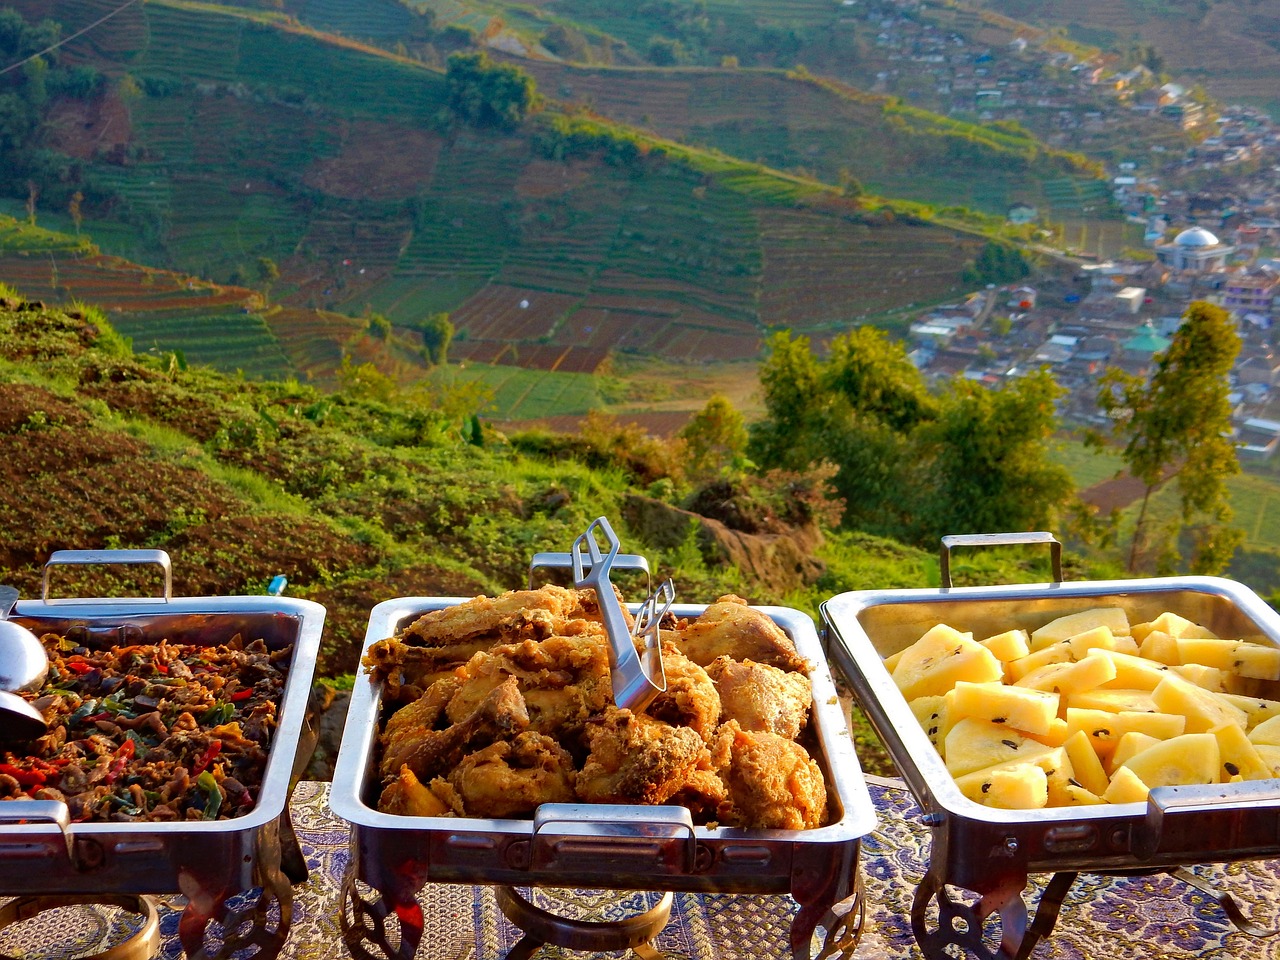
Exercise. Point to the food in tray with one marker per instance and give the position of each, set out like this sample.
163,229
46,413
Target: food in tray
1090,709
496,705
150,732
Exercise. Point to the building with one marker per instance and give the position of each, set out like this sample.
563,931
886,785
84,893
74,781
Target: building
1196,250
1252,292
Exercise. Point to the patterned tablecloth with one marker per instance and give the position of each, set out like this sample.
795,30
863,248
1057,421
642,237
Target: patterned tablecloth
1131,917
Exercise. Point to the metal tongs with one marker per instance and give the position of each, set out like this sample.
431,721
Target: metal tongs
635,654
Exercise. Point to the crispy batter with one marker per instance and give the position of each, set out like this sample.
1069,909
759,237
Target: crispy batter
636,759
408,796
510,779
564,680
773,783
731,628
427,751
762,697
690,699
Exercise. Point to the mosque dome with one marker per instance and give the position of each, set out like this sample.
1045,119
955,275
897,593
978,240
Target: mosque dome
1196,237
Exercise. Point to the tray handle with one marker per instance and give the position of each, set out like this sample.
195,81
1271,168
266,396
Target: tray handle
86,557
607,838
43,811
564,561
998,540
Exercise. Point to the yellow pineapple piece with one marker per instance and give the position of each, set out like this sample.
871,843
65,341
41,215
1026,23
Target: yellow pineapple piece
1087,767
1125,787
973,744
1203,709
1055,736
1204,677
1129,745
1267,732
1054,764
1160,647
1105,729
1190,758
1099,638
931,714
1238,754
1258,709
932,665
1132,673
1009,645
891,661
1023,786
1113,700
1210,651
1114,618
1029,711
1270,754
1055,653
1256,661
1179,626
1074,795
1070,678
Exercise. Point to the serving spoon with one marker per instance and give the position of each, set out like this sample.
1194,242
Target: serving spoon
23,666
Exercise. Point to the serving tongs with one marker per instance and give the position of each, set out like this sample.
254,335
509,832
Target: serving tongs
635,653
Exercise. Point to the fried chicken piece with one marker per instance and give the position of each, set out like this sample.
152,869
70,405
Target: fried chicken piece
564,680
773,783
426,751
636,759
410,797
510,779
690,699
731,628
762,697
423,713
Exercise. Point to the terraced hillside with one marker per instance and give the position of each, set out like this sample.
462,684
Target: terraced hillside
247,141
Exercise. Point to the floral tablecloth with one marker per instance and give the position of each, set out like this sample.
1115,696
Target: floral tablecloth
1131,917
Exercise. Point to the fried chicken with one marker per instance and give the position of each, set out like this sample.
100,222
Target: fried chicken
690,699
410,797
773,783
636,759
729,627
427,751
762,697
510,779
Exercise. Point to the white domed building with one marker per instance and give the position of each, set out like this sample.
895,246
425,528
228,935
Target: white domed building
1195,249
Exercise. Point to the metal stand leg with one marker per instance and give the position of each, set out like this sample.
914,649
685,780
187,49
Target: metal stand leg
542,927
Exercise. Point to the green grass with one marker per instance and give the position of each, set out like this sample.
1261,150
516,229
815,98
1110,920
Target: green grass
1087,467
530,394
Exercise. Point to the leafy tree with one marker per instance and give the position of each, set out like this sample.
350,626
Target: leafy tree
379,327
488,94
1177,426
716,438
437,333
997,263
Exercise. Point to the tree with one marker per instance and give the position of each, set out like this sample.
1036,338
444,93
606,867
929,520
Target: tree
488,94
716,438
268,273
437,333
1177,426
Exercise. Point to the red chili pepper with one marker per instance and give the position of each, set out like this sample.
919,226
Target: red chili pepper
27,778
79,666
206,758
162,668
239,695
123,754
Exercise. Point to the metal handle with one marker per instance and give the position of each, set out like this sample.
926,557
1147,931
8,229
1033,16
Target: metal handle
998,540
1217,816
564,561
603,834
47,811
86,557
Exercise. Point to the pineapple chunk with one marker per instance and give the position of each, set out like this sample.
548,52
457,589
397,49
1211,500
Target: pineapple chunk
1257,661
1130,745
1126,787
1054,764
1063,628
1070,678
1179,626
1210,651
1132,673
931,714
1105,729
1087,767
1257,708
1238,754
1023,786
1113,701
973,744
1100,638
1204,677
1055,653
1074,795
1160,647
1029,711
1190,758
1268,732
1270,755
1009,645
1055,736
932,665
1203,709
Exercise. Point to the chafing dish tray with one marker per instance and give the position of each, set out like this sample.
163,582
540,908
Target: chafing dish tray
992,851
206,860
628,847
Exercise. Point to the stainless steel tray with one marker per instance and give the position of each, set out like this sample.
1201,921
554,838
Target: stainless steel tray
606,847
992,851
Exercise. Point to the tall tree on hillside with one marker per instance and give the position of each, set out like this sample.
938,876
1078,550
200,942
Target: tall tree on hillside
488,94
1177,426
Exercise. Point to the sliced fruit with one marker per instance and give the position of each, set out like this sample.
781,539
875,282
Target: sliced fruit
1161,647
1114,618
973,744
1009,645
1203,709
1084,761
1129,745
933,664
1190,758
1055,653
1126,787
1070,678
1238,754
1132,673
1113,701
1105,729
1023,786
1030,711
